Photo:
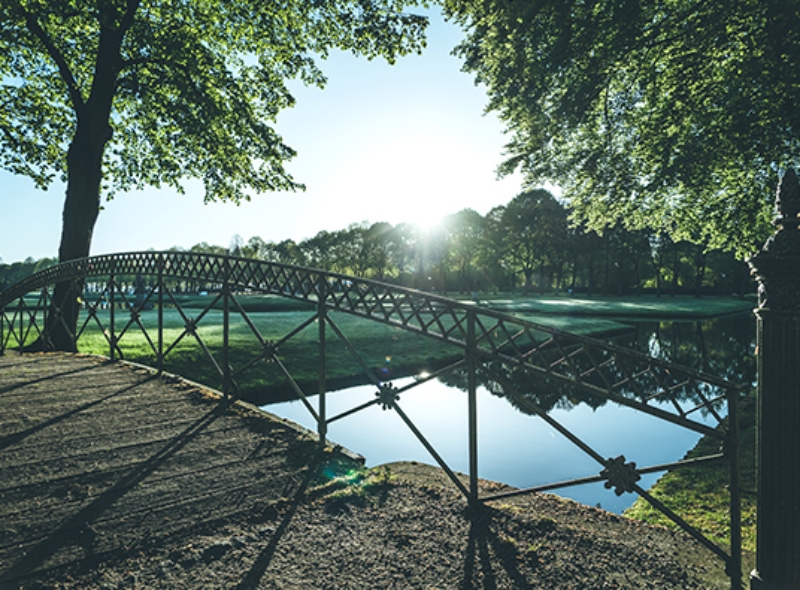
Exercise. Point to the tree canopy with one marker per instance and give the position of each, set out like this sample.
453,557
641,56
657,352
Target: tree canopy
678,115
113,95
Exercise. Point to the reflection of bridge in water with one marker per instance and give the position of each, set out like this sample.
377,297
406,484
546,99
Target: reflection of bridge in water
137,291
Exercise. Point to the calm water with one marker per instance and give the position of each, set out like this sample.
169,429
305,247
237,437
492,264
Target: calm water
523,450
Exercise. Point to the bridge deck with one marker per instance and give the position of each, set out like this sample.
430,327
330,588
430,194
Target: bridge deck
111,477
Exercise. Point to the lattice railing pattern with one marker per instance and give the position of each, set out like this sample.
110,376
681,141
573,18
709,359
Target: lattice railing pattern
597,367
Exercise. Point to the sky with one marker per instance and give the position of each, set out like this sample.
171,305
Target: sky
407,142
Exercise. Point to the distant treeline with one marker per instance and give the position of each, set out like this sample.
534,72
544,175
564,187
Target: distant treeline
11,273
526,246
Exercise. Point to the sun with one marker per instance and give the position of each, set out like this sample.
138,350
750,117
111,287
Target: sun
428,225
419,179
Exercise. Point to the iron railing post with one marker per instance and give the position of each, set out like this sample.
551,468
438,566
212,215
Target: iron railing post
226,292
45,336
21,333
2,331
322,314
472,397
111,304
734,565
160,360
777,270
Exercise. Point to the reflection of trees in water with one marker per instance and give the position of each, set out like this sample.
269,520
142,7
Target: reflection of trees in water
545,391
723,347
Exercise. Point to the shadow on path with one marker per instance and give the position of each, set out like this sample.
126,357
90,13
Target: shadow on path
50,377
12,439
253,578
77,528
485,550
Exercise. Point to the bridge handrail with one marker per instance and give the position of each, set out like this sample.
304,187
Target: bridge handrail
208,268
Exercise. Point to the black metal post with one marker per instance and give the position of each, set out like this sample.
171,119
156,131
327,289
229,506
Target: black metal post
322,424
160,313
226,294
473,410
734,564
112,337
777,270
21,333
48,343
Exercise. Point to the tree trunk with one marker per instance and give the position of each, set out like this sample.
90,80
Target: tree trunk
541,278
574,276
700,271
657,266
84,175
675,271
528,272
81,208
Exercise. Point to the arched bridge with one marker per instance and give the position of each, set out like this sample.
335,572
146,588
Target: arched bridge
134,305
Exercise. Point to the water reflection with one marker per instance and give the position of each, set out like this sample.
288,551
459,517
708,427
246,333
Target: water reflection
525,451
724,347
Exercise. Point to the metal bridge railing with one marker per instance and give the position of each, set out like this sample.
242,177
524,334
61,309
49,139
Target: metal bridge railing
500,349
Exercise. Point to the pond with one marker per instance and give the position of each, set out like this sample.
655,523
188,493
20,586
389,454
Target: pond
522,450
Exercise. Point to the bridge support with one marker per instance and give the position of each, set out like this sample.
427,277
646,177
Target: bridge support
777,270
472,388
322,424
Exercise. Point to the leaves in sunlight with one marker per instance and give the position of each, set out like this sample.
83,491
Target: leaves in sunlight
197,88
677,116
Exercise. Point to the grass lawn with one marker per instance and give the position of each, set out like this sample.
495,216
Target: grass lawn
650,306
388,351
699,494
391,351
583,325
644,306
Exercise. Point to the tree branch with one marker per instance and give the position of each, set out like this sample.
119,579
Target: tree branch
63,68
127,19
651,35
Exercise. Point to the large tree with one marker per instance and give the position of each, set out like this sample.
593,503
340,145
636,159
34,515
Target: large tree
673,114
533,230
113,95
465,233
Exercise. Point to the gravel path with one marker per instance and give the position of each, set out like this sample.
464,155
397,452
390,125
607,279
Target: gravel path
111,477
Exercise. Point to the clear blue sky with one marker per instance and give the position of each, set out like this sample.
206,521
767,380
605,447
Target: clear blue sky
407,142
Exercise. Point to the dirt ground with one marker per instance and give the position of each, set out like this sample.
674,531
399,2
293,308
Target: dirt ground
113,477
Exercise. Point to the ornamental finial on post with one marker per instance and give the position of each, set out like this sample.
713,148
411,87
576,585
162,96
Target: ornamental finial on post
774,267
787,201
786,241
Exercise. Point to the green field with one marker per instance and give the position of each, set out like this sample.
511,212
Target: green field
386,350
644,306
